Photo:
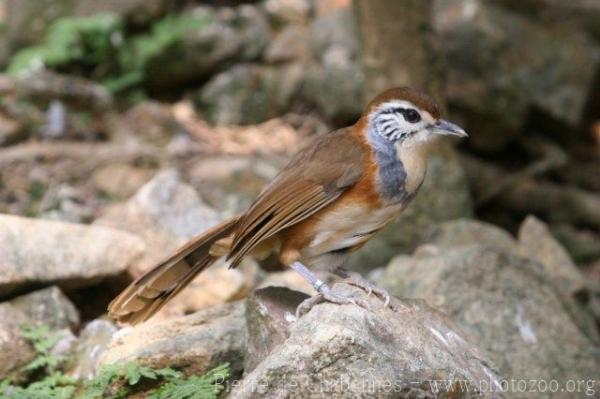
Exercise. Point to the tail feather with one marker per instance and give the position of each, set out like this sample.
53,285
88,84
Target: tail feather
150,292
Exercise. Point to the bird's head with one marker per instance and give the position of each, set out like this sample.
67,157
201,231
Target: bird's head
407,117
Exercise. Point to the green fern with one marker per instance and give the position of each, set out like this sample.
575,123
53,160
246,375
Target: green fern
42,341
112,381
209,386
124,377
54,384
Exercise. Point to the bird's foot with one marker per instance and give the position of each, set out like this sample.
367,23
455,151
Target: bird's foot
326,295
355,279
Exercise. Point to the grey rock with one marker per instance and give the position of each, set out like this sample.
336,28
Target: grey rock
289,44
136,11
252,27
467,232
495,77
536,242
248,93
222,38
334,83
27,20
335,88
64,345
231,182
288,11
165,213
507,305
194,343
87,348
41,252
443,196
269,315
334,29
15,352
49,307
173,205
347,351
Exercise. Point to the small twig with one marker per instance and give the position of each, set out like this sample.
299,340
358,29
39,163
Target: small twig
86,152
524,194
49,85
552,157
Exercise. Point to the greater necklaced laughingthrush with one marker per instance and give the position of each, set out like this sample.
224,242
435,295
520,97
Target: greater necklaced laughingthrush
329,200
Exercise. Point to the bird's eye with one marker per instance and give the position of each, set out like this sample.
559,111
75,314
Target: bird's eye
412,116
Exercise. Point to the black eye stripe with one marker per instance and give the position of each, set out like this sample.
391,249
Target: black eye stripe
409,114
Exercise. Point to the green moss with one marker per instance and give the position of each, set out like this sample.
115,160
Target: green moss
100,48
89,41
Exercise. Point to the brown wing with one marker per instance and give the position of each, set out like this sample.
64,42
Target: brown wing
313,179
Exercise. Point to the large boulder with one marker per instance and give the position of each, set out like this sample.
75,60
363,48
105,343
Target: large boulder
220,38
40,252
165,212
233,182
347,351
269,316
507,305
467,232
536,242
334,83
495,78
194,344
288,45
48,307
248,93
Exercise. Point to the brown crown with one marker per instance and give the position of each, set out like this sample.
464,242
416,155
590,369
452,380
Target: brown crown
418,98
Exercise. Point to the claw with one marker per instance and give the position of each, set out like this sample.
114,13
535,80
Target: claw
357,280
328,296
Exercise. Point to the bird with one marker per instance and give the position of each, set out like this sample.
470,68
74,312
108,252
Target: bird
332,197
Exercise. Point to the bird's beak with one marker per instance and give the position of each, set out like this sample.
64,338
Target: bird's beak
448,128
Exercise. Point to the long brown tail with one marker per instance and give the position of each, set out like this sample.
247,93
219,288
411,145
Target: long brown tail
150,292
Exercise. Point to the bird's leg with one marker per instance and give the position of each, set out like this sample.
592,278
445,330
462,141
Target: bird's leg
357,280
324,293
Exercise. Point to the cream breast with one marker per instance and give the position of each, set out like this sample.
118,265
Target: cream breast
414,161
